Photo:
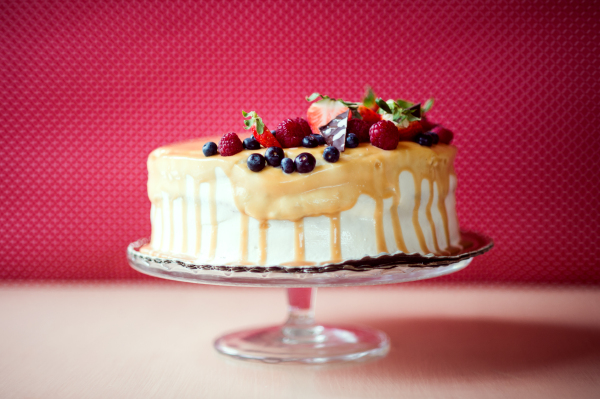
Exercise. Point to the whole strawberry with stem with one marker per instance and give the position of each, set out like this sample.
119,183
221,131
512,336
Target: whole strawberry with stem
257,127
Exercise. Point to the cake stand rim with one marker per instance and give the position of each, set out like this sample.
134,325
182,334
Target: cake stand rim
254,276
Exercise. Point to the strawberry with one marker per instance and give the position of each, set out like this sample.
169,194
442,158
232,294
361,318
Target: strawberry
230,144
322,112
409,132
368,115
261,133
384,134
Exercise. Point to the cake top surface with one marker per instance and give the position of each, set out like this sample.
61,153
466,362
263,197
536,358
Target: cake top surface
327,189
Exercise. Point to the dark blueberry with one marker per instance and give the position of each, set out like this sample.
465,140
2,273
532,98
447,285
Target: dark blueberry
209,149
351,140
320,139
424,139
274,156
434,137
251,144
310,142
256,162
305,162
287,165
331,154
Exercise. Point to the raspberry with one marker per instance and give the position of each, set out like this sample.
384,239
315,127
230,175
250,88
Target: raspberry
384,134
360,128
290,133
304,125
230,144
445,135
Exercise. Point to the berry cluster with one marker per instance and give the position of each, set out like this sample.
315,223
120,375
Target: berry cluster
382,123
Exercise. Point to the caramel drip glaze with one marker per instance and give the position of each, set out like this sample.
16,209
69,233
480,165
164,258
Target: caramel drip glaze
329,189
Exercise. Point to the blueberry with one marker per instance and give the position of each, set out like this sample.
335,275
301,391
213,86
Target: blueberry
251,144
305,162
331,154
209,149
320,139
424,139
256,162
310,142
434,137
274,156
351,140
287,165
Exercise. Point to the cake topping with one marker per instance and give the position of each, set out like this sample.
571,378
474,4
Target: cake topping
408,133
445,135
209,149
287,165
323,111
258,129
274,155
331,154
351,140
424,139
304,125
251,144
384,134
230,144
335,131
360,128
290,133
305,162
256,162
320,139
310,141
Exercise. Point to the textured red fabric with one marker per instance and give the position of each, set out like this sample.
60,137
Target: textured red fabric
88,89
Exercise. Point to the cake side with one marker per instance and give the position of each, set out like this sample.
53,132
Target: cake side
214,210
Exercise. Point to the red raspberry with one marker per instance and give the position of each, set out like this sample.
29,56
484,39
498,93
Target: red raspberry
427,124
305,126
384,134
290,133
360,128
444,134
230,144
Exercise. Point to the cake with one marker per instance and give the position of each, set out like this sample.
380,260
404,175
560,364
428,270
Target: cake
359,189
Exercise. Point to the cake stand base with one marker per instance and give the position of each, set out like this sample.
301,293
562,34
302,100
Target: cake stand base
300,340
329,344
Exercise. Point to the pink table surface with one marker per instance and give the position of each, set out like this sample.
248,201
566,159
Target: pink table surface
100,341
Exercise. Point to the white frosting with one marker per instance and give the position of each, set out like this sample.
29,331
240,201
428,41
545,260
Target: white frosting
357,226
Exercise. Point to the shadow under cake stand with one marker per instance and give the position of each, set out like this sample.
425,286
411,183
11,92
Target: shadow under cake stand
300,339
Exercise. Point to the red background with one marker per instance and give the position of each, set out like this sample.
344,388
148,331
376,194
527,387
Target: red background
88,89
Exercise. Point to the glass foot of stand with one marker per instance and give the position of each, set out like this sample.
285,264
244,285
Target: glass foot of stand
300,339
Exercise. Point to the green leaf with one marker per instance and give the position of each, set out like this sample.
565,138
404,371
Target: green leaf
427,106
260,126
245,114
369,98
313,97
248,124
383,105
404,103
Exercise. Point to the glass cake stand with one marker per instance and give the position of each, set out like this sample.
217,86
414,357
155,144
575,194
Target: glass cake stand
300,339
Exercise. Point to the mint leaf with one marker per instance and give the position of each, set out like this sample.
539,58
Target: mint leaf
383,105
428,104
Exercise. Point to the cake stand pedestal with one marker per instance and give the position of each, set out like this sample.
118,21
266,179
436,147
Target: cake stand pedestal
300,339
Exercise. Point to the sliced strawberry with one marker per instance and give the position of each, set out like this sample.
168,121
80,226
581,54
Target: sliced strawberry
409,132
261,133
368,115
322,112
